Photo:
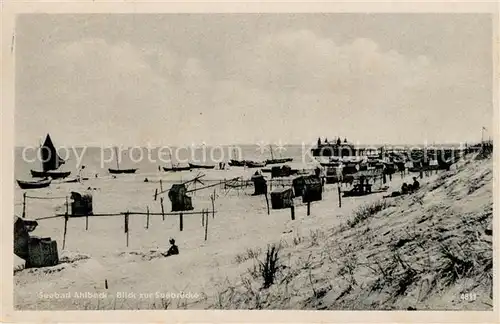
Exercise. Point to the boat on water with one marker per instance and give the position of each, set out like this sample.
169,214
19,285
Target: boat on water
37,184
177,168
118,170
51,161
200,166
272,160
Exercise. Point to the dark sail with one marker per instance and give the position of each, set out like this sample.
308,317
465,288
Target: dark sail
50,159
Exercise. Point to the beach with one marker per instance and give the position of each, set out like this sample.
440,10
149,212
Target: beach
97,260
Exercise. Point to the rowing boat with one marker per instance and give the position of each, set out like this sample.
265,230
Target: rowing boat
121,171
52,173
177,168
277,161
34,184
199,166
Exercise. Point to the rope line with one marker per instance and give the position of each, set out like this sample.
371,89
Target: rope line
126,213
33,197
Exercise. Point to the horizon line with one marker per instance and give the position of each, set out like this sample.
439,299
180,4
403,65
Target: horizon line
266,145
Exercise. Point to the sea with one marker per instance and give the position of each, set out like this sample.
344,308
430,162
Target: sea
97,160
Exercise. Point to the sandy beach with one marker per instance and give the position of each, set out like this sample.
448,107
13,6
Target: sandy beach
205,269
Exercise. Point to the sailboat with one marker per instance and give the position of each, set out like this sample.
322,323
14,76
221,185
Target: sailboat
175,168
276,161
118,170
243,163
51,161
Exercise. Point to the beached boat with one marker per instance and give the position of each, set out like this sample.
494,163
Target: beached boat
237,163
177,168
282,171
252,164
330,164
34,184
199,166
121,171
53,174
247,163
276,161
75,180
51,161
118,170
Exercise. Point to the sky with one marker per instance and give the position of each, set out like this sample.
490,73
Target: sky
175,79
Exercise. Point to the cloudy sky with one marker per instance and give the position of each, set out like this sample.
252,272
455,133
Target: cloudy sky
243,78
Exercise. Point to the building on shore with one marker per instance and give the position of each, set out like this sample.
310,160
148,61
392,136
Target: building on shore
341,149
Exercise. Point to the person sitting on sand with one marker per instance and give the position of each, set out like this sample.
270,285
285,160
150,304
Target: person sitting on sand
416,184
404,188
173,248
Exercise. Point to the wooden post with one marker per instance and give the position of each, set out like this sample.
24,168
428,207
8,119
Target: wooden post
162,209
24,204
206,226
106,283
213,205
203,218
267,203
308,208
126,225
340,196
156,193
292,212
65,224
181,222
87,222
147,217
